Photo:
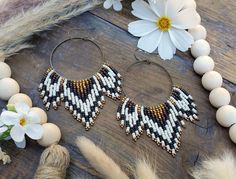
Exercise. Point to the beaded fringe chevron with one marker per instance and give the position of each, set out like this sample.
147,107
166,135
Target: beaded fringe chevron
82,98
163,122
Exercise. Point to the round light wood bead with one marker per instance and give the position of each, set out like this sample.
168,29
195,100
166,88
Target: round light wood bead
212,80
41,113
232,133
190,4
219,97
20,98
203,64
8,88
226,115
5,70
198,32
51,135
199,19
200,48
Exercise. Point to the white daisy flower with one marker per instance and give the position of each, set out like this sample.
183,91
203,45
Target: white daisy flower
117,6
24,122
163,25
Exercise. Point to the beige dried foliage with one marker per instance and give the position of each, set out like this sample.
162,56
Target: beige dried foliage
99,160
220,167
16,31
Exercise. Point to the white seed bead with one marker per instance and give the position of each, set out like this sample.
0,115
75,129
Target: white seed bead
232,133
5,70
200,48
212,80
8,88
219,97
190,4
198,32
226,115
20,98
203,64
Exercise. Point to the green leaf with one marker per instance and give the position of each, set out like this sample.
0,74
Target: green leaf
11,107
6,133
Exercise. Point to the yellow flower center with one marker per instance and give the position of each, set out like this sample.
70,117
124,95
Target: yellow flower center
22,121
164,23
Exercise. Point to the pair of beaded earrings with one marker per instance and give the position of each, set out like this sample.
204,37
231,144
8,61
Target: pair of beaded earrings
83,98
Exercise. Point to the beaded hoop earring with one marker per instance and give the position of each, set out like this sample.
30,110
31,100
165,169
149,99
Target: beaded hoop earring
82,98
162,122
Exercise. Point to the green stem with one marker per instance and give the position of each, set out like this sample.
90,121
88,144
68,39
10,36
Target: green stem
6,133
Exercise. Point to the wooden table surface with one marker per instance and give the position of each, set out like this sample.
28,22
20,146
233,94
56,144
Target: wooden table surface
145,84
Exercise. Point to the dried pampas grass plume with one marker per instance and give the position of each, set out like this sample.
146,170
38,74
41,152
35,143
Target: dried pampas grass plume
222,167
9,8
99,160
144,170
15,32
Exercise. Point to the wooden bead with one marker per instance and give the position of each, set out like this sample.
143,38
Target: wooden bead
226,116
20,98
212,80
198,32
232,133
219,97
203,64
190,4
41,113
5,70
199,18
51,135
200,48
8,88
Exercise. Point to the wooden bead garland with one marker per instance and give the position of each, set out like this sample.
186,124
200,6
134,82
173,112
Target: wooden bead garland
19,98
212,80
200,48
203,64
8,88
232,133
199,32
226,115
5,70
219,97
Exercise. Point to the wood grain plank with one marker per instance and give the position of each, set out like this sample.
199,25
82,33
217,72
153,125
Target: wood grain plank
147,85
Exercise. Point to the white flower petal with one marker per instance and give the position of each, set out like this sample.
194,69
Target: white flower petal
166,49
150,42
10,118
181,39
185,19
3,129
141,28
173,7
17,133
117,6
33,117
34,131
22,108
107,4
143,11
21,144
158,7
1,123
